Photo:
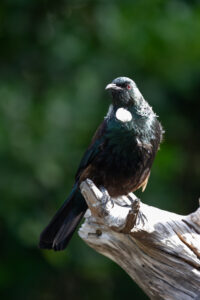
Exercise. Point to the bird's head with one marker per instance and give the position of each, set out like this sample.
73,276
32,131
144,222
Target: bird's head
124,92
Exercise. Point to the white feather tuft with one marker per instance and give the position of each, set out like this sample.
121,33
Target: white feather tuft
123,115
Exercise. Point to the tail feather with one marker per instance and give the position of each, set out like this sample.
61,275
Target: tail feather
59,231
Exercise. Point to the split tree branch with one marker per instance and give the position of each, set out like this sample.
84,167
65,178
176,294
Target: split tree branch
160,250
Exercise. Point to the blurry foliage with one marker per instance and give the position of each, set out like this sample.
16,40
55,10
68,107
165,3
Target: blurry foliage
55,59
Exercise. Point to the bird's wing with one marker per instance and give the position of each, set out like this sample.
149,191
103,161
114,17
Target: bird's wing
95,147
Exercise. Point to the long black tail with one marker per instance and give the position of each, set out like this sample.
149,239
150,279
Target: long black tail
61,228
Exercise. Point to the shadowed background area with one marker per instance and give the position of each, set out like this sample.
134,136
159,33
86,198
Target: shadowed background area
55,59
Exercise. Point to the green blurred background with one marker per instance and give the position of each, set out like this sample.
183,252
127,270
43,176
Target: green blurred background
55,59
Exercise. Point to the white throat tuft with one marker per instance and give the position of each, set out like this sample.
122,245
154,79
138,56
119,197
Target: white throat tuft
123,115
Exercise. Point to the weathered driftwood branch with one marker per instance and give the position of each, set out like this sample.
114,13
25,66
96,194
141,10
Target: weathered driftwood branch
160,250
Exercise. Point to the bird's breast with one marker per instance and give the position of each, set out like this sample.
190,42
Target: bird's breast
126,156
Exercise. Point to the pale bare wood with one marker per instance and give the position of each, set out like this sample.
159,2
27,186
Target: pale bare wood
160,250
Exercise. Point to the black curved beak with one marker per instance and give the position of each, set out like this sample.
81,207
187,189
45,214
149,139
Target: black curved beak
113,86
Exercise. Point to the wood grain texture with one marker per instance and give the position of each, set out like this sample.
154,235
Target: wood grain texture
160,250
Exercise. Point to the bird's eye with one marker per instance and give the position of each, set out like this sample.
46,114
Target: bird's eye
128,86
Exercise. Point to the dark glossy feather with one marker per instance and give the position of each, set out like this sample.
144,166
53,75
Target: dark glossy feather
59,231
94,148
61,228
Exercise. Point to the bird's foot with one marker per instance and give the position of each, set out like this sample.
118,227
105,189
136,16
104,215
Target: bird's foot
140,217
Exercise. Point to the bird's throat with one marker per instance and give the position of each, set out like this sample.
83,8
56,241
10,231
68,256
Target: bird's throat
123,115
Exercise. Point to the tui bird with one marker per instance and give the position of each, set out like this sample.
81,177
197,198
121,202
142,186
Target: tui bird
119,158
